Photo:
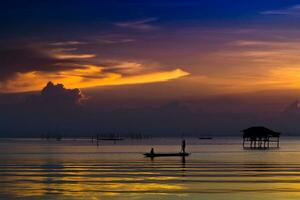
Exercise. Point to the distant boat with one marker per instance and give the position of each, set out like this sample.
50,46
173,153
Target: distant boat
205,138
152,155
111,139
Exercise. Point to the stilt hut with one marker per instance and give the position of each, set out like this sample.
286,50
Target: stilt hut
260,138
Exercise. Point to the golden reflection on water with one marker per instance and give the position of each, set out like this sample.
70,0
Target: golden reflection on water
137,182
214,175
83,182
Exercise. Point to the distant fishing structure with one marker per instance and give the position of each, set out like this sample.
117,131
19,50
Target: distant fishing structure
107,137
58,136
260,137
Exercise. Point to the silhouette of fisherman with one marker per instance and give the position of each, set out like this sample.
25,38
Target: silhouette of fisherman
152,151
183,146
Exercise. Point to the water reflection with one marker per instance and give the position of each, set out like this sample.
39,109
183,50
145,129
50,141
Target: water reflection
49,179
41,173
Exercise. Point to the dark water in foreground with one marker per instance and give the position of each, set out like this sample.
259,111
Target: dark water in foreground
217,169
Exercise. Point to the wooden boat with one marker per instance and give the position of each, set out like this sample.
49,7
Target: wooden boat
152,155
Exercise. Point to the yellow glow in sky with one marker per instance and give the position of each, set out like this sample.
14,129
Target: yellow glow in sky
89,76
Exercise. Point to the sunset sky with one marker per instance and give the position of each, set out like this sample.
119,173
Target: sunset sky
150,99
217,46
232,59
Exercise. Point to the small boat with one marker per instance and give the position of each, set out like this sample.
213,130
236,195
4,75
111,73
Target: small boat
111,139
152,155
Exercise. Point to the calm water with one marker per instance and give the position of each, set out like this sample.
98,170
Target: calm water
217,169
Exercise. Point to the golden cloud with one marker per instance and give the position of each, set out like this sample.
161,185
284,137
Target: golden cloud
84,77
73,56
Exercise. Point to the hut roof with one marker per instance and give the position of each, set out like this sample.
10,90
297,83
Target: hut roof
259,131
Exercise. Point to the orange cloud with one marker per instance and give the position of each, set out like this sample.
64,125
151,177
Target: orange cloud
84,77
73,56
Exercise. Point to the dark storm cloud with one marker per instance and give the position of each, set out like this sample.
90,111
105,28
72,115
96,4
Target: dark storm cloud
57,108
53,108
58,93
54,98
22,58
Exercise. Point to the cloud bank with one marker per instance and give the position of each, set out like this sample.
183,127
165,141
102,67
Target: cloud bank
27,67
58,93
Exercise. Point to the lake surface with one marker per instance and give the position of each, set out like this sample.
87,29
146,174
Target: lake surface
216,169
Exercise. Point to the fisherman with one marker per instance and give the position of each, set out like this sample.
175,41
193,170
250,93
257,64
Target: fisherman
183,146
152,151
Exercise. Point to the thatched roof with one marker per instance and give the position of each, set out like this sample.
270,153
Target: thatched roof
259,131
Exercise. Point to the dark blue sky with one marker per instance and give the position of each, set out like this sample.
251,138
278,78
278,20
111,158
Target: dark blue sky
31,18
